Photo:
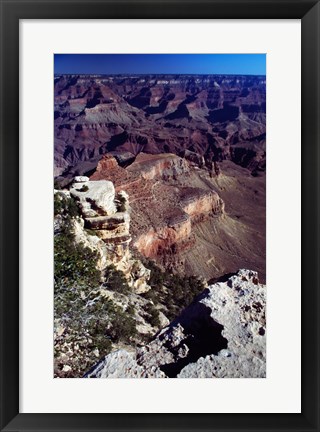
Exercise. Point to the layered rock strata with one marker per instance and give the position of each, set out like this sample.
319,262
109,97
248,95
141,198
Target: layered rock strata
168,239
222,334
199,203
97,203
106,229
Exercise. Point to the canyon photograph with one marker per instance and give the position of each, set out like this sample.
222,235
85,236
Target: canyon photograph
159,196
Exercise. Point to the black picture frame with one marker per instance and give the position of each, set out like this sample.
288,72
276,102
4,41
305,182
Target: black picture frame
11,12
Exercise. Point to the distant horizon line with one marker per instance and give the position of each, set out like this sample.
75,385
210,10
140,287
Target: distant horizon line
162,73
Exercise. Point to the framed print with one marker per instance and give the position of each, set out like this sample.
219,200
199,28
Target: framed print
159,223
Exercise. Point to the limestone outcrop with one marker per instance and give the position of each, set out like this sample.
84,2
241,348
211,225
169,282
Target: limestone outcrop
100,211
95,198
222,334
105,228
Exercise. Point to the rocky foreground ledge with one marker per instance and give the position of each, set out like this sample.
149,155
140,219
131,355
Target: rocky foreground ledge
222,334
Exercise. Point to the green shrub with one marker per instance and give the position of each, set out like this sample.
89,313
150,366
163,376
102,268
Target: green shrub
172,291
172,311
74,263
152,315
157,276
151,295
121,205
84,188
183,289
64,206
92,322
115,280
123,327
58,204
130,309
56,185
103,344
146,338
91,231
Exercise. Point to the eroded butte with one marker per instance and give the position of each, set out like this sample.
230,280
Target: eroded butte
207,229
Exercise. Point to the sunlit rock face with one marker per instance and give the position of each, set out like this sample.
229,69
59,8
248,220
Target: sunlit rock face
164,166
176,235
145,167
95,198
107,165
169,239
98,206
199,203
106,216
222,334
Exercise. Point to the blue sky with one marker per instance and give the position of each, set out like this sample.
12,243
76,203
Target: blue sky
246,64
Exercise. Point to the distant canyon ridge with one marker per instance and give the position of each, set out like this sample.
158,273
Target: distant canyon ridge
190,150
214,117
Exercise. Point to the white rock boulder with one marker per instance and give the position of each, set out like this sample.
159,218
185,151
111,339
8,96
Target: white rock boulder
96,198
81,179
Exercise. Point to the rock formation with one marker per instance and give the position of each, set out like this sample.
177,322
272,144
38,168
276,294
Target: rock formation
199,203
95,198
166,240
222,334
106,229
98,206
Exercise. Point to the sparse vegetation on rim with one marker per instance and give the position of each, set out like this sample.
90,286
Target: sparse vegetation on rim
65,207
172,291
115,280
84,188
87,323
121,205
